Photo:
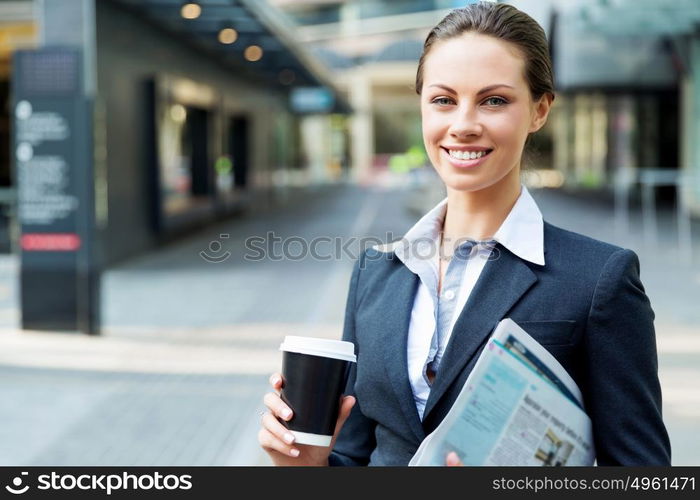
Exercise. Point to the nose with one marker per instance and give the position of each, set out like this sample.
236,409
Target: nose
466,123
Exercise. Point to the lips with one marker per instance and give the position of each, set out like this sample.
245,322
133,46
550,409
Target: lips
467,148
464,161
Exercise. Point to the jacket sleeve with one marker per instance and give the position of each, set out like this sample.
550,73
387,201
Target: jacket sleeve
623,395
355,441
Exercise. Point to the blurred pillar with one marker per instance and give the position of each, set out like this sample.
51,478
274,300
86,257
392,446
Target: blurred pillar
599,139
582,136
560,134
71,23
623,134
690,106
362,125
53,102
316,141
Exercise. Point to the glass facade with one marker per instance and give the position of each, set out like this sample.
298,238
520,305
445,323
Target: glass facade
311,13
320,14
369,9
596,134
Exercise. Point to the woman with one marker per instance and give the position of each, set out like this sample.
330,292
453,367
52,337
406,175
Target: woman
420,319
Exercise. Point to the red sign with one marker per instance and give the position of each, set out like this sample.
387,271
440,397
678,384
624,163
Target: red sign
50,242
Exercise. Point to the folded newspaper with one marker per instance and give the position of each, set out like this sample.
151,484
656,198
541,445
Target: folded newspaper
519,406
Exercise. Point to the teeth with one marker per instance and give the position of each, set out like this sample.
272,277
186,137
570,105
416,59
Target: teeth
466,155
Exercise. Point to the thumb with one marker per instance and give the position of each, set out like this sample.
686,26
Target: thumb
453,460
345,407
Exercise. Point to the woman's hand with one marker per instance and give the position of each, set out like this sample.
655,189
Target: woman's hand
278,441
452,460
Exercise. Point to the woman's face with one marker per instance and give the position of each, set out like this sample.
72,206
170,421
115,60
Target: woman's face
477,111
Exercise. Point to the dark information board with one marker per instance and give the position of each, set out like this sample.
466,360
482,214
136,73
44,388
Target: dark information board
53,158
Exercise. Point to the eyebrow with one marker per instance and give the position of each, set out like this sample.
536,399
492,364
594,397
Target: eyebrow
482,91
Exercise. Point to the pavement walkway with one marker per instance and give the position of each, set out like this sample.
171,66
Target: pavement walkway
178,375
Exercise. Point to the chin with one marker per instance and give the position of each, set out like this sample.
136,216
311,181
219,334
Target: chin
471,181
466,183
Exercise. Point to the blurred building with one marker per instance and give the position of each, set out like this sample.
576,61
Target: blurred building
625,71
198,109
627,74
372,48
197,117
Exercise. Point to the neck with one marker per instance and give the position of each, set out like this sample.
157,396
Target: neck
478,214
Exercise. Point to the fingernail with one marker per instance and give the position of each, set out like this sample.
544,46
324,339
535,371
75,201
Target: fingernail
286,413
294,452
274,380
289,437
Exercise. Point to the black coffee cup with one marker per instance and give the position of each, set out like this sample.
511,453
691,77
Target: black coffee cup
315,372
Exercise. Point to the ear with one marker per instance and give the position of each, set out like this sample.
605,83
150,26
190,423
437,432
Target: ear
540,111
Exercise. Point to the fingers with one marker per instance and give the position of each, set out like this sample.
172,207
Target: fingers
277,406
345,408
453,460
275,436
276,381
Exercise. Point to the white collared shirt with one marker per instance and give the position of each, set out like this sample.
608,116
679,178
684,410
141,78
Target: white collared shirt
522,233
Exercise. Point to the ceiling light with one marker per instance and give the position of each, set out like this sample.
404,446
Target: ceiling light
191,10
253,53
228,35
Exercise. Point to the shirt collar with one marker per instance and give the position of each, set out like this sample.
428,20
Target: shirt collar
522,231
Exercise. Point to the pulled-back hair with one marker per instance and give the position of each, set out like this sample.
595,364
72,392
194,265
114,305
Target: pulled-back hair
504,22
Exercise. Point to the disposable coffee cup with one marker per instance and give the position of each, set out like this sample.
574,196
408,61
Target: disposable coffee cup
315,372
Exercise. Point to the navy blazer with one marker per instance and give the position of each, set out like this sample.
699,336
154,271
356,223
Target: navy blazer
586,306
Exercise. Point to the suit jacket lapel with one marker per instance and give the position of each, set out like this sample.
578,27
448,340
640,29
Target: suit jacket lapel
502,282
398,303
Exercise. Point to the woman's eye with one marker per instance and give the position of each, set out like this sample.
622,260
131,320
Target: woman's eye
495,101
441,100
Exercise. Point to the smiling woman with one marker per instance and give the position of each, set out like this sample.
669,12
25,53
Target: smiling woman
420,319
477,112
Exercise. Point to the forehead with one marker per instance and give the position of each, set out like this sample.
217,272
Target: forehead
474,61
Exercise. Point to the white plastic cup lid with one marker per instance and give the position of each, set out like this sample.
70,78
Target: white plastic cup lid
328,348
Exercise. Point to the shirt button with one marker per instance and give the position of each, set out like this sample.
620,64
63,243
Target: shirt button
449,295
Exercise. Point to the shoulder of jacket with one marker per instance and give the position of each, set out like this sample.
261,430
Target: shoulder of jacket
569,240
